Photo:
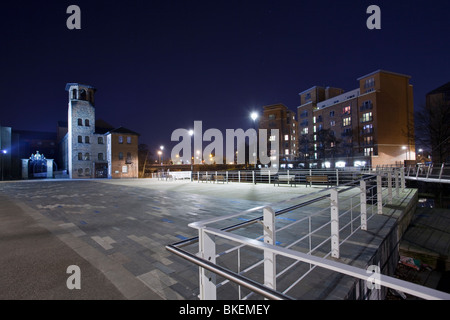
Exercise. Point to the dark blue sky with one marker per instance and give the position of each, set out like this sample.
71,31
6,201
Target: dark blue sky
160,65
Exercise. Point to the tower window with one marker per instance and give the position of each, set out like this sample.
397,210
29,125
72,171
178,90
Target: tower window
100,140
80,122
80,156
87,156
86,139
128,157
100,156
86,122
74,93
120,139
80,139
82,94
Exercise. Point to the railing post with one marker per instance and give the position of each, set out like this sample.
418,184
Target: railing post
337,177
226,174
429,169
389,187
207,278
440,172
269,176
334,204
397,188
379,195
363,200
198,176
269,257
239,176
402,175
253,176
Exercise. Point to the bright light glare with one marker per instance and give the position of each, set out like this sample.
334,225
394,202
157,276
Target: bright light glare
254,115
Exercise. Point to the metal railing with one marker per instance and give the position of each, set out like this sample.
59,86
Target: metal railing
335,176
432,172
270,251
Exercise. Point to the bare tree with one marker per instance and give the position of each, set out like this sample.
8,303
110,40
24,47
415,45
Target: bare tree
433,130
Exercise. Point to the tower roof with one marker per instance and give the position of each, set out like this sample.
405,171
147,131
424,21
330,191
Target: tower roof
68,85
441,89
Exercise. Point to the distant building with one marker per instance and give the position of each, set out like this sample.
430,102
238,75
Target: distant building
438,122
278,116
94,149
369,125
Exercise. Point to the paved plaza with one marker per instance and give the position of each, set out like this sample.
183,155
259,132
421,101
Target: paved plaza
115,231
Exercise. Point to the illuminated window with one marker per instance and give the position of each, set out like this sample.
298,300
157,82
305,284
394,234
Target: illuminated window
366,117
272,138
120,139
332,123
286,151
128,140
286,137
368,152
346,110
347,121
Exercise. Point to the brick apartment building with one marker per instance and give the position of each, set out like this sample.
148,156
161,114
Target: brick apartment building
278,116
369,125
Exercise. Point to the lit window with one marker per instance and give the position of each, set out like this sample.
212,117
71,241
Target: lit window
332,123
346,110
368,152
272,138
347,121
124,169
120,139
128,140
366,117
286,137
286,151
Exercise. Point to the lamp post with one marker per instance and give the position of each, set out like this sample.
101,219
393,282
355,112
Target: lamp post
191,133
2,154
160,152
254,116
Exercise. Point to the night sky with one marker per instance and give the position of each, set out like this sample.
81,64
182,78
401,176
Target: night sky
160,65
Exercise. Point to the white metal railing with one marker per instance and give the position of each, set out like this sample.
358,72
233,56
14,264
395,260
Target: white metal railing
335,215
335,176
431,172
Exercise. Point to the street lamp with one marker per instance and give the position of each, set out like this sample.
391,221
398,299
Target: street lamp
254,116
3,152
161,153
191,133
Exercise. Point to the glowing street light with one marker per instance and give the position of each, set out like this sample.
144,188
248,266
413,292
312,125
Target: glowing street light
254,116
